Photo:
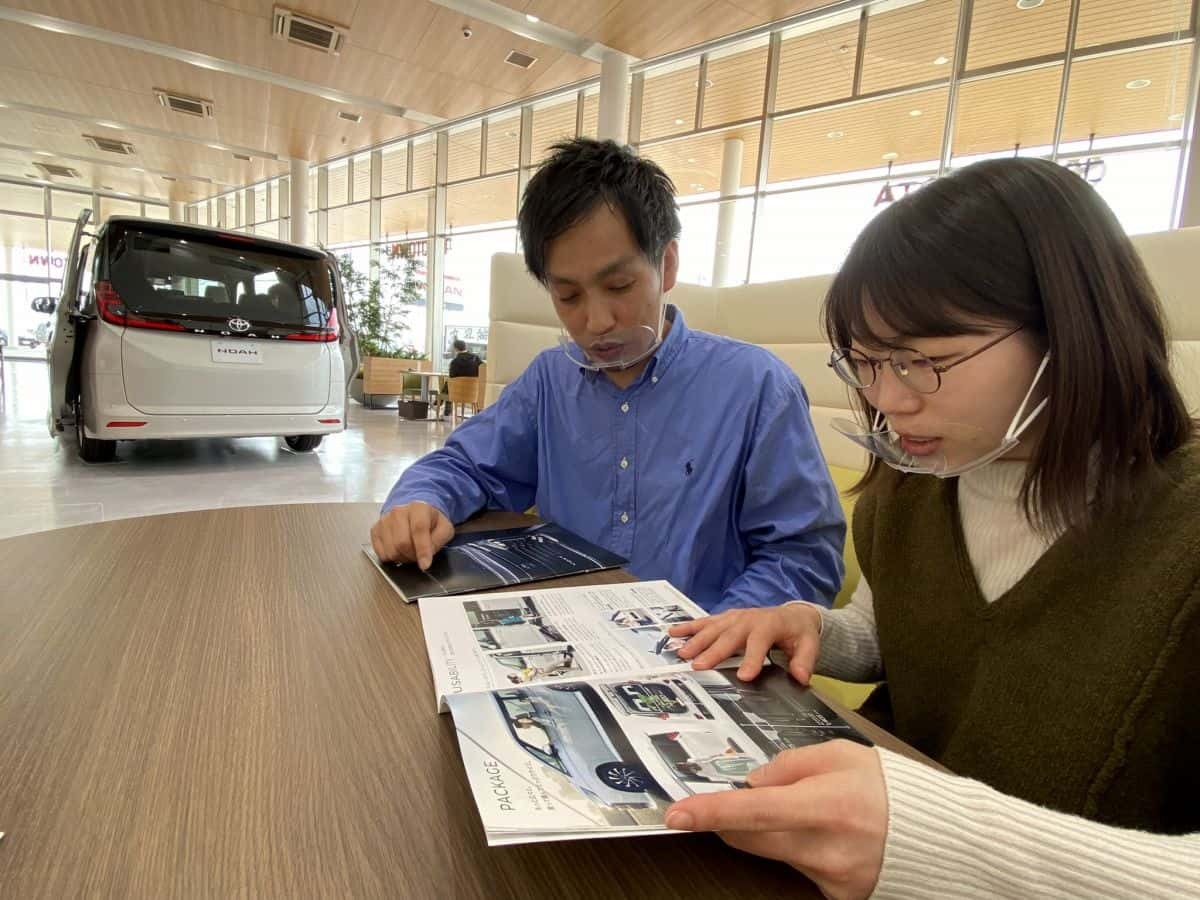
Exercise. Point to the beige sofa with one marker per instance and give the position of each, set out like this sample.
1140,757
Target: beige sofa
784,317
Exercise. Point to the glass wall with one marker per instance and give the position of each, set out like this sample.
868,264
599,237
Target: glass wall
832,115
36,224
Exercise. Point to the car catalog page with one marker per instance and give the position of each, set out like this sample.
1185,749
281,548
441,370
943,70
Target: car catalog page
486,641
606,757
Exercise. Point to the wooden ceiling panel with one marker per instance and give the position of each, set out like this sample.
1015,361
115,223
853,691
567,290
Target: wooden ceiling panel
734,86
579,16
1100,102
694,163
673,26
482,202
669,100
998,113
1109,21
816,66
856,137
903,43
1001,32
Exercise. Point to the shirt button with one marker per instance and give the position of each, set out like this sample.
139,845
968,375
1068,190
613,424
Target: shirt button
624,407
654,379
624,518
624,463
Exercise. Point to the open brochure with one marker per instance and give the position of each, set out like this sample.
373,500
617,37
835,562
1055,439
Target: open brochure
481,560
576,718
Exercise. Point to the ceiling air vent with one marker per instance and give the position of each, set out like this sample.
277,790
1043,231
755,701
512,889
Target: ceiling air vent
168,178
109,145
54,171
520,60
300,29
242,156
182,103
350,117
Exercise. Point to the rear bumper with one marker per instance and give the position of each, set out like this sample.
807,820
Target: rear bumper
183,427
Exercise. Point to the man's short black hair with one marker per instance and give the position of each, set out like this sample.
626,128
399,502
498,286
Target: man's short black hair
581,174
460,345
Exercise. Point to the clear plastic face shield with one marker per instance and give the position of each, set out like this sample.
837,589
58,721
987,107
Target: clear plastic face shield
923,458
620,348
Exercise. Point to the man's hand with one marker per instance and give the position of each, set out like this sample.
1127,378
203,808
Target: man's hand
795,628
411,533
822,810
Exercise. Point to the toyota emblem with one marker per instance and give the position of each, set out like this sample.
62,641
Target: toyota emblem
239,325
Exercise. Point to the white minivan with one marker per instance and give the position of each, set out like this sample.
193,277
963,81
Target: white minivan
166,330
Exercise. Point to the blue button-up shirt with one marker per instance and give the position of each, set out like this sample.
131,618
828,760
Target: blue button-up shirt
705,471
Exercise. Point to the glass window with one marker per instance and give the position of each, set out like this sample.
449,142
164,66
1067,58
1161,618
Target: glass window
1110,21
22,231
698,241
338,186
735,83
669,100
395,169
1143,92
349,224
424,163
816,62
68,204
591,113
995,114
113,207
1002,32
404,216
463,149
466,287
260,201
904,130
504,141
362,178
904,44
282,199
694,163
1140,187
810,232
406,263
552,123
155,211
23,198
482,202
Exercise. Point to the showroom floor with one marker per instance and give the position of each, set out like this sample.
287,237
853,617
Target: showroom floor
45,485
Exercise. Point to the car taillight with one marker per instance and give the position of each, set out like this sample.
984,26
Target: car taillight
328,333
112,310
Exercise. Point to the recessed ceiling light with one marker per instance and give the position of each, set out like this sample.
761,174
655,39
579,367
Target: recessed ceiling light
707,83
941,60
679,121
532,18
843,49
1138,83
834,135
139,171
1029,4
216,146
104,124
891,155
914,112
691,159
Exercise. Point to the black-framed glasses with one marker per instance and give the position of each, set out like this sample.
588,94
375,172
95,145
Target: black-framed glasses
915,370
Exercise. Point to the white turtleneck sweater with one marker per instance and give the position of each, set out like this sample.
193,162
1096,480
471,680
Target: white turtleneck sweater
954,837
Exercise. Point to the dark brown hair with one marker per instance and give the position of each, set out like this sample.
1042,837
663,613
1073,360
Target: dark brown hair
1027,242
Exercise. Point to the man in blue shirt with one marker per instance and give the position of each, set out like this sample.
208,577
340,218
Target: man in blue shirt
689,453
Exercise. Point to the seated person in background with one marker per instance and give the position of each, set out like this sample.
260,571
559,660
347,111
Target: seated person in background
691,454
1029,533
463,365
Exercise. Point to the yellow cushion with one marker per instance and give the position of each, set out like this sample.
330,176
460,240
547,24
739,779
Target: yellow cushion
846,693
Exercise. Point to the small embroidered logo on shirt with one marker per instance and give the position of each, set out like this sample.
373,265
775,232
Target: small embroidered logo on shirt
687,469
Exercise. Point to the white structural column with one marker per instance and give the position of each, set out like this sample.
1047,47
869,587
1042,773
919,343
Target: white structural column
613,121
298,200
177,211
731,171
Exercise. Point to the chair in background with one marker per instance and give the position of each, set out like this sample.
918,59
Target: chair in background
481,397
464,392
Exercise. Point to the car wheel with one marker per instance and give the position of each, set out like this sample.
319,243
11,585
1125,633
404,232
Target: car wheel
92,450
302,443
622,776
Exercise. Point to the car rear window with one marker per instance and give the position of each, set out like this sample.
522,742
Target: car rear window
201,279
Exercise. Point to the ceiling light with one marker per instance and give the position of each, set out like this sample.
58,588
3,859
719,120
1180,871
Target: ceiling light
843,49
914,112
891,155
104,124
707,83
834,135
941,60
216,146
691,159
1029,4
529,17
1138,83
679,121
139,171
42,153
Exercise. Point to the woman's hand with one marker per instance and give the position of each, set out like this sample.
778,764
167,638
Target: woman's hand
822,810
795,628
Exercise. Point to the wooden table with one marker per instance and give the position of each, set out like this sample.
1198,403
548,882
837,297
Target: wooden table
234,703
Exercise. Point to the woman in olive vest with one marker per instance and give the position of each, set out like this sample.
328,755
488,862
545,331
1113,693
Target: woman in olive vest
1029,534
